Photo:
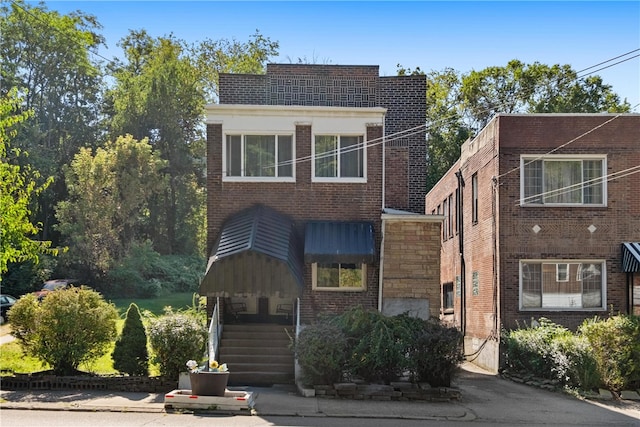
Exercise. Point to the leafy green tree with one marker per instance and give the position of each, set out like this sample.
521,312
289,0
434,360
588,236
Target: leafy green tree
177,337
460,105
231,56
130,354
108,208
67,328
159,95
46,58
528,88
17,190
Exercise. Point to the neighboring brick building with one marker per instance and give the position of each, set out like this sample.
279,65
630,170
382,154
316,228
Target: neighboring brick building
549,225
305,166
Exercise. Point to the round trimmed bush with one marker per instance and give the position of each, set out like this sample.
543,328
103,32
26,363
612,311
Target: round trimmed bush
176,338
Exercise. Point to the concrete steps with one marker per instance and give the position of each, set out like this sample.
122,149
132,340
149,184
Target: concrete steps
257,354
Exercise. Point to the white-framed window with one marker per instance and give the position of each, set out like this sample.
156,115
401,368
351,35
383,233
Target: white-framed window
339,276
339,157
562,284
563,180
259,157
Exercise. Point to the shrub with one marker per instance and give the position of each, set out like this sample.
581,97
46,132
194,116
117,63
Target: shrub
436,353
145,273
321,349
574,364
531,349
130,354
67,328
616,348
378,344
177,337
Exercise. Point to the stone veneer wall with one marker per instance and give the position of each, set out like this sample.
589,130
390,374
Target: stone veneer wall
411,260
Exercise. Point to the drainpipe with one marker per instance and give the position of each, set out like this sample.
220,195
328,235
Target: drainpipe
384,169
463,287
384,165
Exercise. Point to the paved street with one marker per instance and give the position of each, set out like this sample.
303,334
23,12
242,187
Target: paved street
487,400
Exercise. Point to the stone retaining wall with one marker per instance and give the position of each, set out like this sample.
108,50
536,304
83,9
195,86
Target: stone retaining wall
394,391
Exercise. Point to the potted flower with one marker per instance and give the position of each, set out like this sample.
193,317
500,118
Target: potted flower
208,382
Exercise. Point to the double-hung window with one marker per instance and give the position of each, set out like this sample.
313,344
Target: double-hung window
339,276
562,285
339,157
562,180
259,157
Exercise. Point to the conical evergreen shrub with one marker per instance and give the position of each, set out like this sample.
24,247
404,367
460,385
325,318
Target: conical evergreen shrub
130,354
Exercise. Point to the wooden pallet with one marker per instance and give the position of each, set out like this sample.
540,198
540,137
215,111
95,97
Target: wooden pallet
236,402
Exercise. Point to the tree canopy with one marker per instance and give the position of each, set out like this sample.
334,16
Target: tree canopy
117,147
459,105
18,188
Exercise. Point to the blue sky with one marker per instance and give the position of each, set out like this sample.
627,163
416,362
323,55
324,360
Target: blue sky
432,35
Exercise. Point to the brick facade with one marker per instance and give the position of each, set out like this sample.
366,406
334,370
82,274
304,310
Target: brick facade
504,233
352,86
304,200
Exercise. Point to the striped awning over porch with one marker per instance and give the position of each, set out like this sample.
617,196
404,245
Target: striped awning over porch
257,253
631,257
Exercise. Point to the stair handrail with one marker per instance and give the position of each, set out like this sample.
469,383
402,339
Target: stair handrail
297,315
215,331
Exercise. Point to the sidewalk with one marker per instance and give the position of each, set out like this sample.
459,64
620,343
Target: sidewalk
279,400
484,396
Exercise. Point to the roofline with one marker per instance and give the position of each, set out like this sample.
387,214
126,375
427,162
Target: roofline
286,110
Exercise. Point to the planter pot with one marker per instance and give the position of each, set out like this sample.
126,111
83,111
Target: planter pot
208,383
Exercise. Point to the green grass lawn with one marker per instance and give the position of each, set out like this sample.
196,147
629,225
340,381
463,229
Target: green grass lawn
13,359
156,305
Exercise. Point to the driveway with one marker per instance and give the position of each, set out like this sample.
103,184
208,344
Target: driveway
490,398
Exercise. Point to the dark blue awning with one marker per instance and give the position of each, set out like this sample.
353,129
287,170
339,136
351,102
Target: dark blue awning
631,257
339,242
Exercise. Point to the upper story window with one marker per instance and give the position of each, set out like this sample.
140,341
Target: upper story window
562,285
561,180
259,157
474,198
339,157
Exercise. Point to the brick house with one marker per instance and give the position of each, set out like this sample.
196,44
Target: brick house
316,185
542,219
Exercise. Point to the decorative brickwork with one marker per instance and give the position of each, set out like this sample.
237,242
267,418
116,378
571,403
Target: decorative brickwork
304,200
505,232
145,384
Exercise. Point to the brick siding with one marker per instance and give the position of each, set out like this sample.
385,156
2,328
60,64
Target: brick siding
504,228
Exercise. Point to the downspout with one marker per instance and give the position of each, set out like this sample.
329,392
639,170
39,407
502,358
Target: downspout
384,165
381,269
384,171
463,283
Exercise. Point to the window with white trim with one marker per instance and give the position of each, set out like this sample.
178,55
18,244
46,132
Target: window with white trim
562,285
339,276
562,180
339,156
259,156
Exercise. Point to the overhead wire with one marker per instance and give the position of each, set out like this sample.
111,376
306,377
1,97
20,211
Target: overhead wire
407,132
588,183
609,60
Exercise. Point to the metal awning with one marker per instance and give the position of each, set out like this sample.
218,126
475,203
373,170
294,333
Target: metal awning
631,257
257,253
344,242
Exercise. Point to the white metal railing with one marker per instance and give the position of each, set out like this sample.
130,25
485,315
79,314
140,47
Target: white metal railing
215,331
297,315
